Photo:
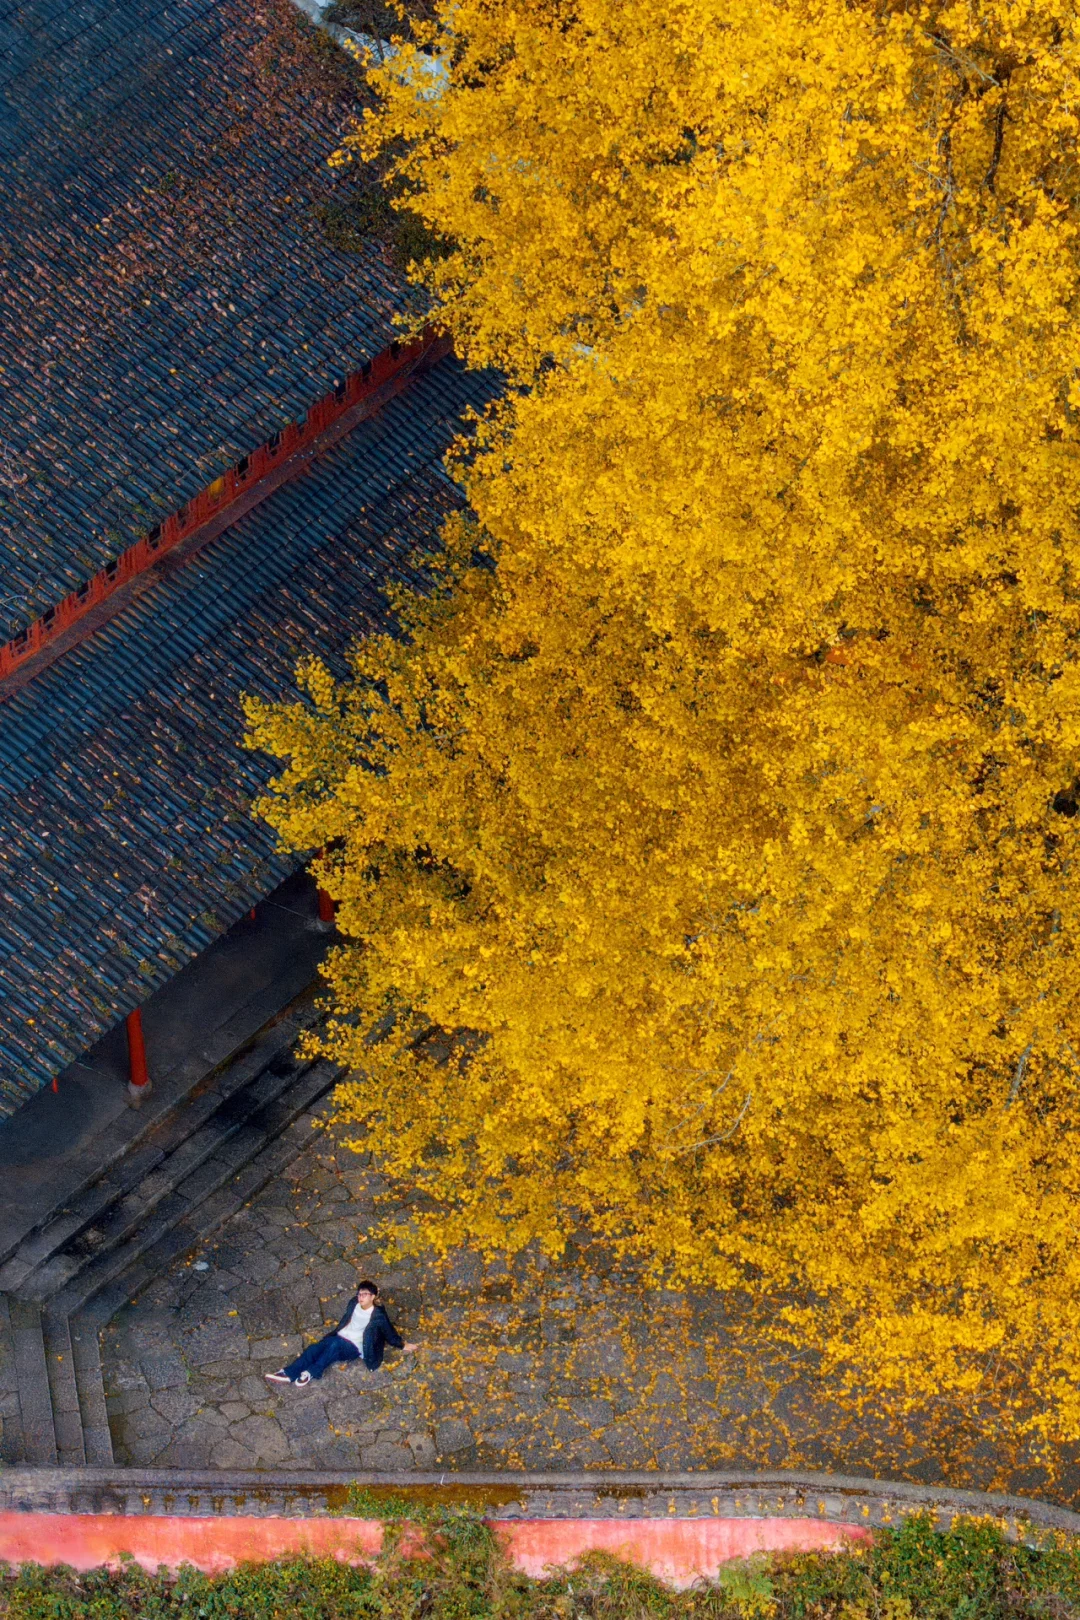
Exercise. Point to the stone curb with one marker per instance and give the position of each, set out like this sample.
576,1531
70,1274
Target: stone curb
838,1498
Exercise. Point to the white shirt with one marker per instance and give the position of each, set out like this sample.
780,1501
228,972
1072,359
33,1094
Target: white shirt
354,1327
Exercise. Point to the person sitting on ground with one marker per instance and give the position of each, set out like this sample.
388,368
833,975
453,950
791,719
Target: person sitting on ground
365,1330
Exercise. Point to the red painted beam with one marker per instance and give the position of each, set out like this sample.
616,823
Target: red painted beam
679,1551
212,511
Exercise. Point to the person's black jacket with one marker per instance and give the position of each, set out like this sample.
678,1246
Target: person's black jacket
379,1332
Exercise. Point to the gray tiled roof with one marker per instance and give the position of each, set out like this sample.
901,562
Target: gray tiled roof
166,298
125,839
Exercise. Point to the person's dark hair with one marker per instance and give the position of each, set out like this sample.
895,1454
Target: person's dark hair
370,1287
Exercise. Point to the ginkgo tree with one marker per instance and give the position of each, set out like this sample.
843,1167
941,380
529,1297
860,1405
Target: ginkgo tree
704,842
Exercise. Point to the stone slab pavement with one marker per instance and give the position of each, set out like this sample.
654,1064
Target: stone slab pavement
535,1366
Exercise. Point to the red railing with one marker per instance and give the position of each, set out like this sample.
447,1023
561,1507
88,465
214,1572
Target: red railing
211,501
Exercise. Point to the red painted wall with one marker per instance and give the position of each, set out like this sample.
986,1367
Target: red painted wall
677,1550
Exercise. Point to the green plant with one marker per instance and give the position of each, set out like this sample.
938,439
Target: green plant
362,1502
746,1585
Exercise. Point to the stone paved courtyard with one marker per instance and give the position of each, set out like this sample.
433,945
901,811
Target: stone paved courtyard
540,1367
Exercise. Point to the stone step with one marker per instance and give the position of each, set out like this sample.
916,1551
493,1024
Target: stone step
230,1163
11,1441
35,1401
166,1137
203,1220
86,1348
63,1391
195,1170
207,1218
167,1190
291,999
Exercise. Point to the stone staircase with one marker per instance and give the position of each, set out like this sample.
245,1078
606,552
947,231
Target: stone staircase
177,1185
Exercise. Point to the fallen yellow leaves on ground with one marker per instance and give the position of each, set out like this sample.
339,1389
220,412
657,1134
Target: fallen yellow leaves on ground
725,784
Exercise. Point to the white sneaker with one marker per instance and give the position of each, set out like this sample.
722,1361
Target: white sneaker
280,1377
303,1378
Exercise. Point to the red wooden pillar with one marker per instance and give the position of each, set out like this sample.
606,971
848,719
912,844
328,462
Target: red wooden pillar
138,1074
327,908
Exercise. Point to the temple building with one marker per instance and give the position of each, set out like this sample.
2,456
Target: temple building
213,456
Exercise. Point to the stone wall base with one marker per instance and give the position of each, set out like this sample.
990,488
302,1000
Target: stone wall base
600,1495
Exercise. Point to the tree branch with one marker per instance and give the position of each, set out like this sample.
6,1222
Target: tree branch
999,137
1018,1077
724,1136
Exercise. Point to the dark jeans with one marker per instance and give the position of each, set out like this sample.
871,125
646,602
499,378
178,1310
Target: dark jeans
317,1357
